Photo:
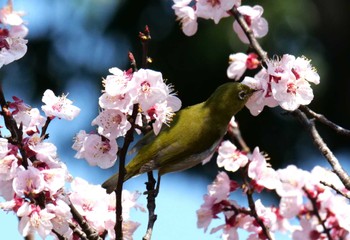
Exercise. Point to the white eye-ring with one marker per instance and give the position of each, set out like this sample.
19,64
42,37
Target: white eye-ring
242,94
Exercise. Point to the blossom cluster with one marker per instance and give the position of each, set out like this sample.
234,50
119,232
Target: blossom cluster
32,178
122,90
12,33
188,12
285,82
320,211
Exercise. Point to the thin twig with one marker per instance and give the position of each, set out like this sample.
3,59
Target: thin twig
322,146
78,231
91,233
249,33
322,119
145,37
129,137
261,223
44,128
151,204
346,195
11,125
317,214
235,133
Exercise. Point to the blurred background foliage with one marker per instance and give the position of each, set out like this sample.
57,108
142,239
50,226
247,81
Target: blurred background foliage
72,44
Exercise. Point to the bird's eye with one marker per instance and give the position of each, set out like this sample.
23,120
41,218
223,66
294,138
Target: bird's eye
242,95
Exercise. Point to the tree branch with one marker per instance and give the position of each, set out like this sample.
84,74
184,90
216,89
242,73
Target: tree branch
322,119
322,146
251,203
151,205
90,233
249,33
315,211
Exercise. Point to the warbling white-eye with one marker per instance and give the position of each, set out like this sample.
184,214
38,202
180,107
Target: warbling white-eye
193,135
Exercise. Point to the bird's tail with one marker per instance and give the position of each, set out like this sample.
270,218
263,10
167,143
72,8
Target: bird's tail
111,183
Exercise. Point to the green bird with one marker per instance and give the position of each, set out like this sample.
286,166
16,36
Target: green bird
192,136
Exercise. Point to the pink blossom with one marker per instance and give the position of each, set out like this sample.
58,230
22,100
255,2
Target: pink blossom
230,157
240,62
60,107
29,181
33,219
31,120
291,190
98,207
118,83
252,16
12,32
63,217
98,151
220,189
8,167
4,150
6,190
150,87
285,82
216,9
54,179
163,112
187,16
12,47
263,96
10,17
292,93
111,123
18,105
91,201
260,172
121,102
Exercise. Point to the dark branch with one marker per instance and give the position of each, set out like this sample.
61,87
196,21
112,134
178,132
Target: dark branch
322,119
129,137
91,233
315,211
151,204
322,146
249,33
336,189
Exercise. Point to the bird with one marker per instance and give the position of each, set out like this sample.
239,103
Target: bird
191,137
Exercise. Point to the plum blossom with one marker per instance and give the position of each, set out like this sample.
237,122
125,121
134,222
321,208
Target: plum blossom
91,201
285,82
230,157
187,16
260,172
119,82
252,16
97,150
150,87
12,33
98,207
262,96
62,218
8,167
60,107
216,9
240,62
29,181
31,120
111,123
34,219
163,112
